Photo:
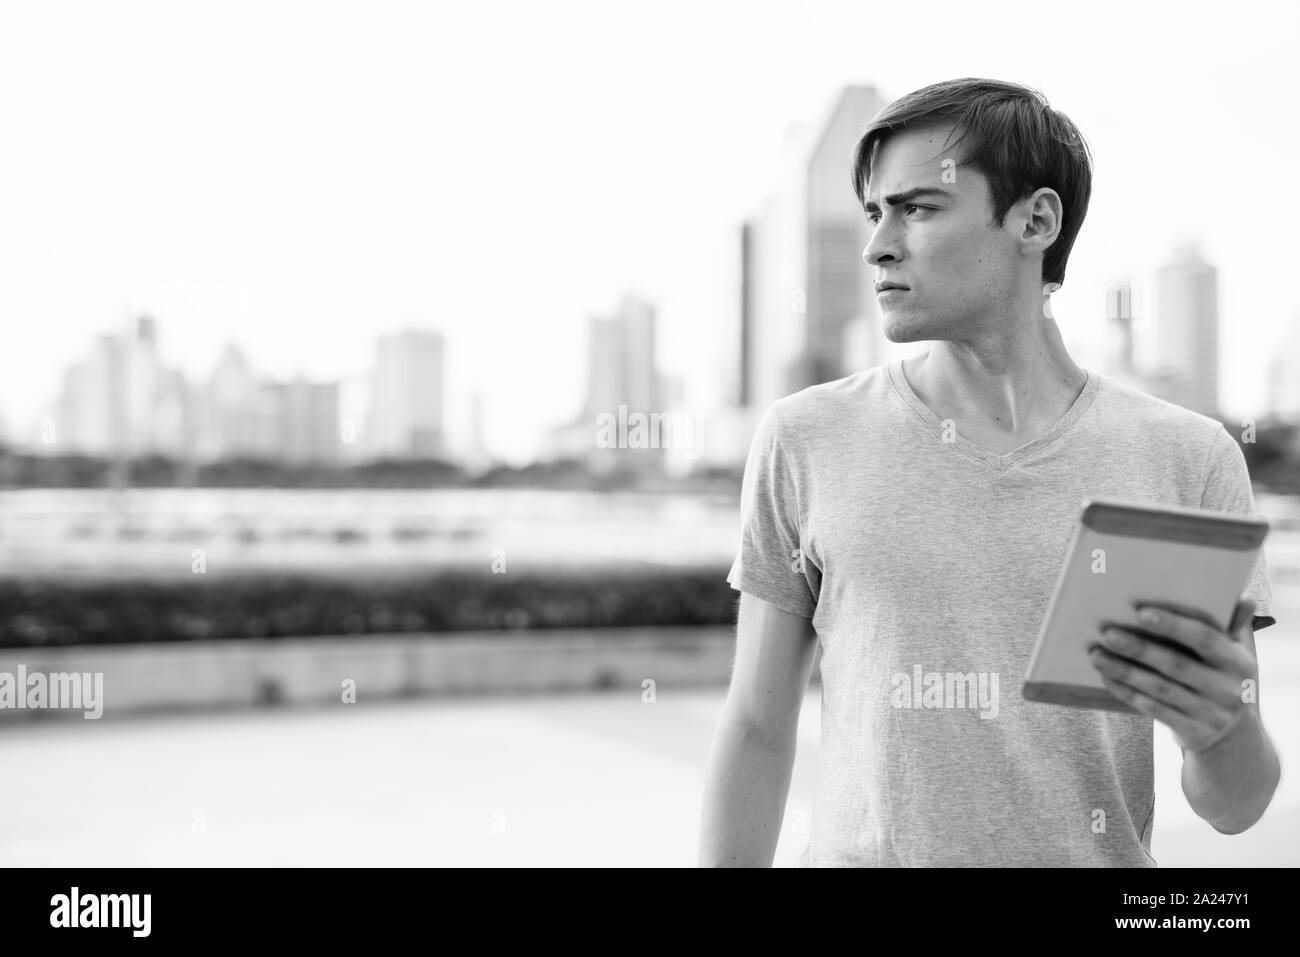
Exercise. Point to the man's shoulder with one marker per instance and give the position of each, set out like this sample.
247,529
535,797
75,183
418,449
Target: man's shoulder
821,405
1131,409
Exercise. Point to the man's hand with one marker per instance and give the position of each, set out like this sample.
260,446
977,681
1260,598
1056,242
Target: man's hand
1204,702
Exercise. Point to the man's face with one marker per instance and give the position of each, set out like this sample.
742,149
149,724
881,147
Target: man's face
961,270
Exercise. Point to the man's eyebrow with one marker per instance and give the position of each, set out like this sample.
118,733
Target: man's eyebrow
906,197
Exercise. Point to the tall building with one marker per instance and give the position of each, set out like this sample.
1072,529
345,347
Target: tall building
159,413
623,382
1183,365
228,409
840,286
744,387
406,396
774,281
70,428
477,457
92,414
604,366
244,415
172,416
641,381
621,366
101,424
808,309
122,400
308,421
1284,374
143,381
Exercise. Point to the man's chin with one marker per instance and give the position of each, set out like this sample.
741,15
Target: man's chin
901,332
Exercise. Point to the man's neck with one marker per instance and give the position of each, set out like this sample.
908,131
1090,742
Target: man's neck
1011,389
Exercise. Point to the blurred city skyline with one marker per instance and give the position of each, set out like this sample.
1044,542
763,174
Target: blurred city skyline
122,401
307,183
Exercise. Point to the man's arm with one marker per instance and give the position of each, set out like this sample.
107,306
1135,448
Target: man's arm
748,776
1231,783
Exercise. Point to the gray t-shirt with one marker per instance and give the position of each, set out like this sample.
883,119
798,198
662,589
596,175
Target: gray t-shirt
926,564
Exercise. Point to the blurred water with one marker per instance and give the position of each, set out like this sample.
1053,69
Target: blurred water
154,531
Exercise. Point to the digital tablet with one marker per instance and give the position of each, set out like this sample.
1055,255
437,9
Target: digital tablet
1192,561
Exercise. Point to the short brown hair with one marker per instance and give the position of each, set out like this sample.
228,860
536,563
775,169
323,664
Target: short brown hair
1018,142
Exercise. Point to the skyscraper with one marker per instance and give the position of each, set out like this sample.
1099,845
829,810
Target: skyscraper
308,420
621,366
244,415
641,384
604,366
158,403
840,285
121,401
229,408
477,458
744,387
808,306
774,281
92,407
1185,333
1284,374
406,396
621,372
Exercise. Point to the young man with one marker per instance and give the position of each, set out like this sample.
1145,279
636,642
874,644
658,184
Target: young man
913,518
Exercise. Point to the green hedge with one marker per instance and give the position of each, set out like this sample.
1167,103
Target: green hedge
42,613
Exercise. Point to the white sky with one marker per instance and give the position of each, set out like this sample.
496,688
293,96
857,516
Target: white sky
300,177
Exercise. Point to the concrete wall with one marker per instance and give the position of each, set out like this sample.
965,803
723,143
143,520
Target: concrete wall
231,674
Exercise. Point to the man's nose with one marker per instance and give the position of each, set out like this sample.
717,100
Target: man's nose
882,247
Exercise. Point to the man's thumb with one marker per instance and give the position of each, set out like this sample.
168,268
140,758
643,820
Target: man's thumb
1242,616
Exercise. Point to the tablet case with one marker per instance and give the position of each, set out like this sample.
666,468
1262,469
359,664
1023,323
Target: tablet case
1191,560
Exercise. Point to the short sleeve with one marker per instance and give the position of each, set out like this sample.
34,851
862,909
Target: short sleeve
1228,489
770,563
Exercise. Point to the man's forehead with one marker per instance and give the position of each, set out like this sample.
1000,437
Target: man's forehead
912,158
917,159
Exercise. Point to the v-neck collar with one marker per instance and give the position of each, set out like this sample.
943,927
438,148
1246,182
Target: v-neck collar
965,446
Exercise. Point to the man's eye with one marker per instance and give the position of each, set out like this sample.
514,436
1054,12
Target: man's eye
875,217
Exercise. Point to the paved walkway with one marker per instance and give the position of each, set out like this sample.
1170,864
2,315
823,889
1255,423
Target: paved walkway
595,779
